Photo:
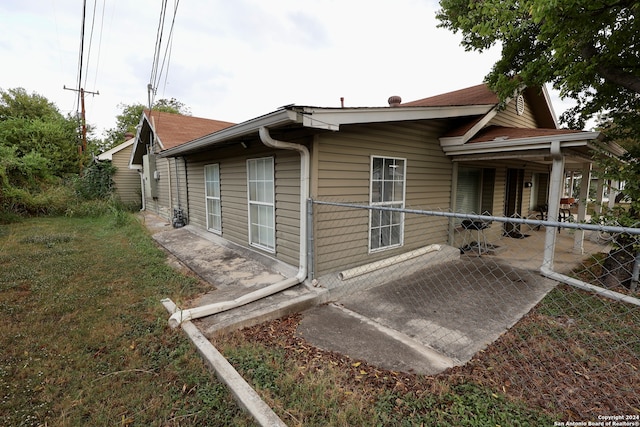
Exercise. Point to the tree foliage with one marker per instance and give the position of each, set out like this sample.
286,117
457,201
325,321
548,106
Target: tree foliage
38,149
588,50
29,123
129,118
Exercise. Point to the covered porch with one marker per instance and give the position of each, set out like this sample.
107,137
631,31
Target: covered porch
535,165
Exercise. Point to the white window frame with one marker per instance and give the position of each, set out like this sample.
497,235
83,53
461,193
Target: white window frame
213,199
261,206
379,189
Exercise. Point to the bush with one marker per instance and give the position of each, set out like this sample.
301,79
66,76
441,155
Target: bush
96,181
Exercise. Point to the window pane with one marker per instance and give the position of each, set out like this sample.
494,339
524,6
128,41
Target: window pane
375,238
395,235
375,218
398,191
376,173
376,191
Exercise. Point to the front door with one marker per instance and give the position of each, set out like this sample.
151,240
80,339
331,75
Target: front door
513,200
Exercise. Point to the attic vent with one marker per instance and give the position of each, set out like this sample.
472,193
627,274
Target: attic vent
394,101
520,105
500,138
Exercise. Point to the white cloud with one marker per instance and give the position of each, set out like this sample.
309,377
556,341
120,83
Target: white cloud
235,60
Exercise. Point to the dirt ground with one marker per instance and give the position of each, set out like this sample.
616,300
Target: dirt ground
551,374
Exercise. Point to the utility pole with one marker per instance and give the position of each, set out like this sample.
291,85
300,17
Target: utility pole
83,147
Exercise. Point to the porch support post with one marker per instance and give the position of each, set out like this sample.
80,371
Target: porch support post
572,175
599,193
578,242
555,191
613,192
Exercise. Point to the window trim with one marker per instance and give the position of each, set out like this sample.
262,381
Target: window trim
272,205
207,197
386,203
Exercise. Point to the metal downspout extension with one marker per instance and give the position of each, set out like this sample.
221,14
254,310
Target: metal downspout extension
207,310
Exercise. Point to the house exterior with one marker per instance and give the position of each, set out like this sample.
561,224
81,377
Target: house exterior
163,181
126,180
459,151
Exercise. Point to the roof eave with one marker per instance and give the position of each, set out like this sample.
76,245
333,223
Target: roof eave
325,118
585,139
332,118
277,118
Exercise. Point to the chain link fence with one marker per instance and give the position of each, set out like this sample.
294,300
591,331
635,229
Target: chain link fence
545,311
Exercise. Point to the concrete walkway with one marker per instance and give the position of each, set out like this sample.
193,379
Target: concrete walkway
424,322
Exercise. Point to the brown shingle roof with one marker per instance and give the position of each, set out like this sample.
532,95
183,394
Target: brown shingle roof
176,129
493,133
475,95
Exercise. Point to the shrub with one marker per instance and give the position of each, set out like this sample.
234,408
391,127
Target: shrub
96,181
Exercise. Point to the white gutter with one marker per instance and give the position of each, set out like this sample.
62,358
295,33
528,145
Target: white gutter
207,310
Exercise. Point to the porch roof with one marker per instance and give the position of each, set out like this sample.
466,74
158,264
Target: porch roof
497,142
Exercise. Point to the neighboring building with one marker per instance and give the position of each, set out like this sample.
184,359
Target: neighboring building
126,180
458,151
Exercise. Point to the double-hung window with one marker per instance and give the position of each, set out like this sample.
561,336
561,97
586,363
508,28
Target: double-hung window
260,185
212,196
388,179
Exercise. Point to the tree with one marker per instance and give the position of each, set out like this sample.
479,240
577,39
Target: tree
38,146
588,50
127,121
29,123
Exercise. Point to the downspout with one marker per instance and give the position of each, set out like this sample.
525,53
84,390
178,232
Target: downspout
142,192
210,309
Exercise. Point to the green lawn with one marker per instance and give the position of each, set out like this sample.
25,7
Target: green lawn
85,340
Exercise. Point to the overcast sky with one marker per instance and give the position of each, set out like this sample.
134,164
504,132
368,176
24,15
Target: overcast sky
234,60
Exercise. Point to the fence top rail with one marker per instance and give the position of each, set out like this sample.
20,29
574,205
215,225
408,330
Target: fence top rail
504,219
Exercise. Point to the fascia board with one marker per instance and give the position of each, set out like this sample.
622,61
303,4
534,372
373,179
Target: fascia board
277,118
107,155
331,119
566,141
547,99
139,144
460,140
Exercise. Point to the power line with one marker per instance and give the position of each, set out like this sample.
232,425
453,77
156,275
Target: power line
156,69
93,22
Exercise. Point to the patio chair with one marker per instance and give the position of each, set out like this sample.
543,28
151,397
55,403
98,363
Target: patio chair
469,226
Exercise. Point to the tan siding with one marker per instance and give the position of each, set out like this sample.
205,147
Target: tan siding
127,181
233,187
343,174
509,117
287,169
